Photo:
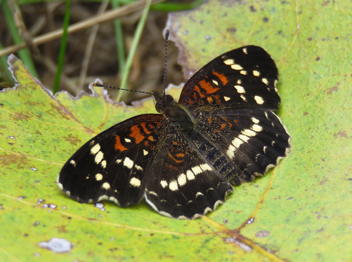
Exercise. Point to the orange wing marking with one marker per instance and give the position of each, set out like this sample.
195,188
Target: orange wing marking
222,77
175,159
136,134
118,145
145,128
209,88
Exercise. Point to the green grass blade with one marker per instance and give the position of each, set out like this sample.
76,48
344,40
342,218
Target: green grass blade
174,6
24,54
62,48
119,39
133,48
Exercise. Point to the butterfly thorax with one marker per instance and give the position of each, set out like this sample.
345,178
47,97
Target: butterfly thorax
174,112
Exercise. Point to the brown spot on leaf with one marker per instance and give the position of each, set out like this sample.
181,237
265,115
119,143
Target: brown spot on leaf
341,134
19,160
19,117
61,229
231,30
323,181
73,139
252,9
262,233
334,88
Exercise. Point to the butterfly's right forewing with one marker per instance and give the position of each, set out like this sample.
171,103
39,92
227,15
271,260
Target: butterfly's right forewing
112,164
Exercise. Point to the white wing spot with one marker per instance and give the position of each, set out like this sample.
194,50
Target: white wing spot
73,162
243,72
152,193
243,98
106,186
98,177
259,100
231,151
205,167
190,175
265,81
199,194
95,149
255,120
239,81
256,73
128,140
256,157
240,89
118,161
196,170
215,82
257,128
145,152
264,149
135,182
229,61
227,98
182,179
244,138
163,183
138,167
266,115
99,157
236,67
103,164
248,132
275,82
245,51
173,185
237,142
128,162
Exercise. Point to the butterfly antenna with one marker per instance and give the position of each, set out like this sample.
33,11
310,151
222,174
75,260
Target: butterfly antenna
117,88
167,33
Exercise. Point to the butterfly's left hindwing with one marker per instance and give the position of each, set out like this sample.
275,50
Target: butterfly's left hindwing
112,164
254,140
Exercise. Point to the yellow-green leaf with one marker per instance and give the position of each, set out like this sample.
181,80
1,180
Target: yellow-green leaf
299,211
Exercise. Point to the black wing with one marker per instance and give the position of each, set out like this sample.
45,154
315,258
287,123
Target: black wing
183,182
242,78
112,165
254,140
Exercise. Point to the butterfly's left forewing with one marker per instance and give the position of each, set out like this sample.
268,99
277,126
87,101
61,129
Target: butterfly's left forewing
112,164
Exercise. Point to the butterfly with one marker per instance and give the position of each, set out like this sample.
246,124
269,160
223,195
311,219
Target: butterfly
184,160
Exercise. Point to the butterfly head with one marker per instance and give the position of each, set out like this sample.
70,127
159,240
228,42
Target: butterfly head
162,102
